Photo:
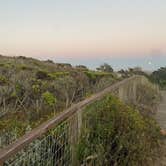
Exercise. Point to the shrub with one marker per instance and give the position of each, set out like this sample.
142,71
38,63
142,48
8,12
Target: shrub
36,88
55,75
42,75
49,98
3,80
116,134
19,90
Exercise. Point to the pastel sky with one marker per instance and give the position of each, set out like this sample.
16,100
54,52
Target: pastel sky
120,32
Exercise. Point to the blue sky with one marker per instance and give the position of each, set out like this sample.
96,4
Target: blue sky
120,32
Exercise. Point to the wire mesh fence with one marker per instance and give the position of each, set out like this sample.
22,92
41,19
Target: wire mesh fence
55,148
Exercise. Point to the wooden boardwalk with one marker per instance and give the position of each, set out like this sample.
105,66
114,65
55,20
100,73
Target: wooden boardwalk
161,113
161,119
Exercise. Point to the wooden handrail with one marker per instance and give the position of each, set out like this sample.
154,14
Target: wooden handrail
22,142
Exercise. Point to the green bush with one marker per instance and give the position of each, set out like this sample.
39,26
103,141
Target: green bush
19,90
3,80
49,98
55,75
117,135
36,88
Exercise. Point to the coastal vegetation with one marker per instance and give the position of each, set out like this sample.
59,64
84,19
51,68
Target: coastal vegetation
116,134
32,91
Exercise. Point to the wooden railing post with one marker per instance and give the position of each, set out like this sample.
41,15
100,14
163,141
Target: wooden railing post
79,117
1,163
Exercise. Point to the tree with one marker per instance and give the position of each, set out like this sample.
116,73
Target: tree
105,68
159,76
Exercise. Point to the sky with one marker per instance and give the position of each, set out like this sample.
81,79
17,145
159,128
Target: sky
122,33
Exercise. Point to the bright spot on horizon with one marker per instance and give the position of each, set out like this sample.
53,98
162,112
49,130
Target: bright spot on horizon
149,63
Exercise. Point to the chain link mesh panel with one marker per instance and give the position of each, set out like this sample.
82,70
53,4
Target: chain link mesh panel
56,148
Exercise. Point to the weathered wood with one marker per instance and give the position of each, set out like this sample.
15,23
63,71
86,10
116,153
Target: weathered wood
22,142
